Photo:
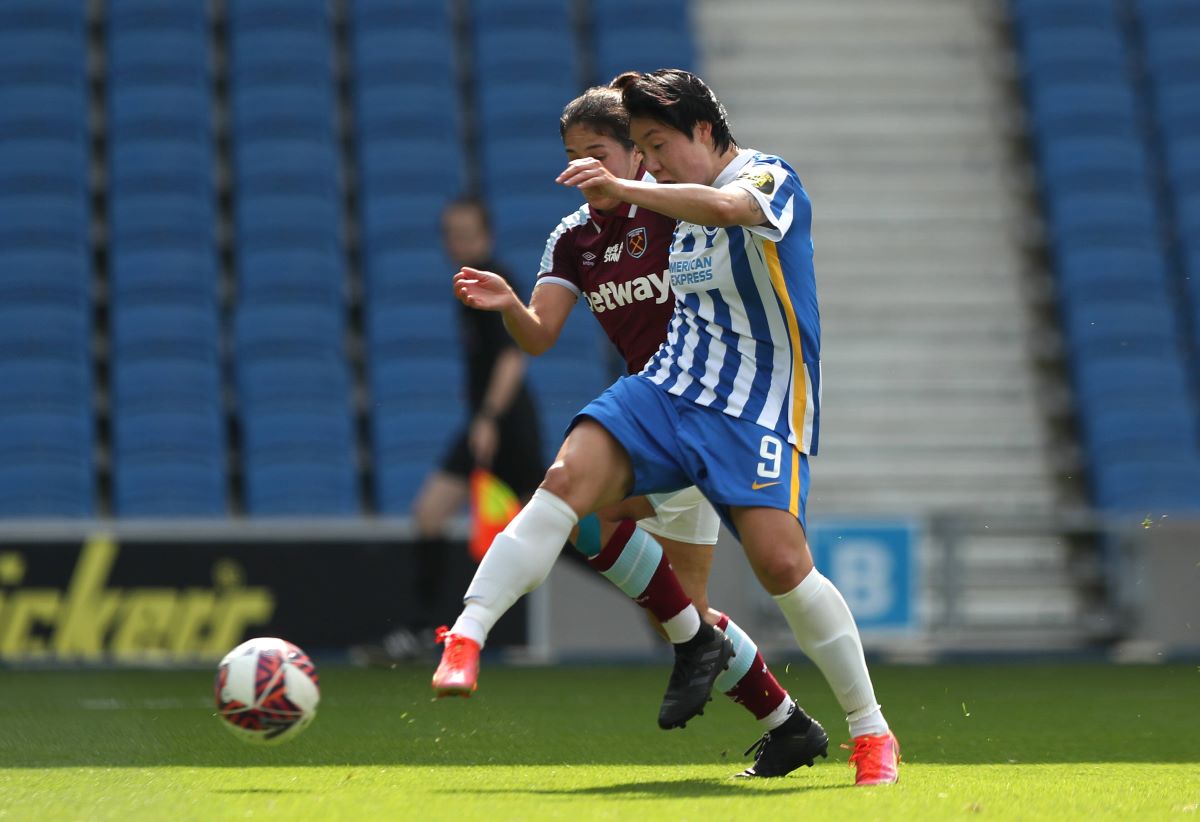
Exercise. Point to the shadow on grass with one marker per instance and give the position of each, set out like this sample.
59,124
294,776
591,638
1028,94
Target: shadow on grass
666,789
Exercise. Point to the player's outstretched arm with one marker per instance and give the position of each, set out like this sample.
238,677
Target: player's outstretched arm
698,204
534,328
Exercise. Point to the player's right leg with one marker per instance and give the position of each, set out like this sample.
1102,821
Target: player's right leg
591,469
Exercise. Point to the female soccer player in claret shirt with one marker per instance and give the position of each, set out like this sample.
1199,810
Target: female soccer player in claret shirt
614,256
730,403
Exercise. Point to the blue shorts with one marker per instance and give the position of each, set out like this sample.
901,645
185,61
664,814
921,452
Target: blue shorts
674,443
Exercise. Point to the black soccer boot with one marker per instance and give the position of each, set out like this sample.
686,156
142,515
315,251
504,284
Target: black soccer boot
698,663
798,741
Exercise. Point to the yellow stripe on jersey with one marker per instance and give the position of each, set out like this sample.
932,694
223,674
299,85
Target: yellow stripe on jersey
794,500
799,383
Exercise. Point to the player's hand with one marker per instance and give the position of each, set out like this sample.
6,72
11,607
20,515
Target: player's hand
483,290
483,439
591,177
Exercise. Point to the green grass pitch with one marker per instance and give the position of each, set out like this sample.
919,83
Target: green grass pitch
996,741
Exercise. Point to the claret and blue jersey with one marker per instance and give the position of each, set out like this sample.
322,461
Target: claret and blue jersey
745,334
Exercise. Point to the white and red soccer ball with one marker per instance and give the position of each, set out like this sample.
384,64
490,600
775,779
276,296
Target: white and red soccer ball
266,691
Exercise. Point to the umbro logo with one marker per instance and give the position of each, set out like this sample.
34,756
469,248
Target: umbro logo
589,258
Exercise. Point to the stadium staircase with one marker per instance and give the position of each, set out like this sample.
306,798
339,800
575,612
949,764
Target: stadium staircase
941,393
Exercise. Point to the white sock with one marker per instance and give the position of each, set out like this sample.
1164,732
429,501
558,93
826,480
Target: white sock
825,629
518,561
683,626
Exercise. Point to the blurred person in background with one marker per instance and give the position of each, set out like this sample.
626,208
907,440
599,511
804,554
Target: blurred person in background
501,434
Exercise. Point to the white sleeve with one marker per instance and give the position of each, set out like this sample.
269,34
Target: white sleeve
774,188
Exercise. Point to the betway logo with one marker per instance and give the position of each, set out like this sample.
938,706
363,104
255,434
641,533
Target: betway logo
615,295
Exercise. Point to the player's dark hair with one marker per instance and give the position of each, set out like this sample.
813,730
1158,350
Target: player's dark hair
472,202
677,99
600,109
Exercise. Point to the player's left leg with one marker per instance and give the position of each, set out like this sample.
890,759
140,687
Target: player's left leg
824,628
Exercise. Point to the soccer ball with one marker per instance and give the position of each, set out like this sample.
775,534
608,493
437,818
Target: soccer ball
266,691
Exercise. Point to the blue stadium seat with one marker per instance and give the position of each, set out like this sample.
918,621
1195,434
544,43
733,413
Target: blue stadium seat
525,165
1094,164
44,167
290,275
515,112
565,375
1149,487
1148,327
510,56
176,433
45,383
417,56
180,110
433,15
277,14
45,276
429,382
296,111
550,16
64,15
417,273
44,222
44,330
151,57
43,56
183,330
1171,56
304,434
165,383
1075,55
527,220
49,436
1183,164
284,57
404,109
402,220
46,464
46,490
148,167
406,446
287,165
302,488
289,331
1169,14
1111,274
1034,14
157,275
1142,433
43,111
177,488
1178,111
397,482
1131,381
156,15
152,220
412,328
642,49
1114,219
1085,110
410,166
278,384
288,215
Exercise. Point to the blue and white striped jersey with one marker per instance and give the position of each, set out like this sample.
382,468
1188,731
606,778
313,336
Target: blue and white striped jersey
745,336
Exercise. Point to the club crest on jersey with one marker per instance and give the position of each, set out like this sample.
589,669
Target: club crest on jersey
764,182
635,242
